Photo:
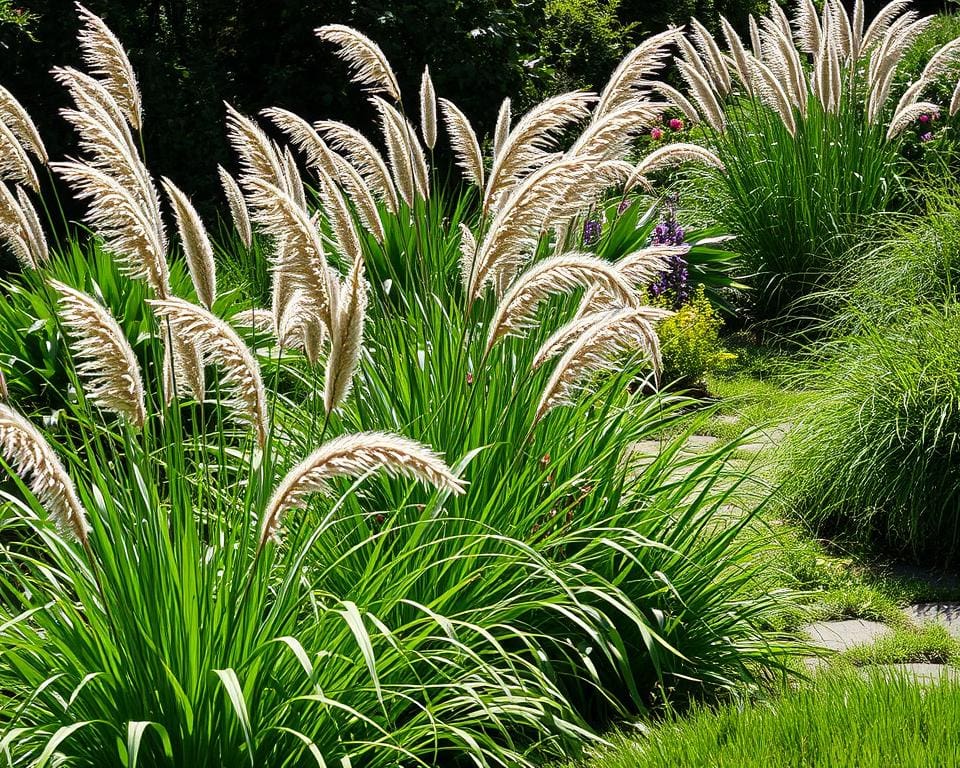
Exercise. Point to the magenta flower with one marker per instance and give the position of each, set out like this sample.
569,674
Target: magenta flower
924,118
676,124
656,134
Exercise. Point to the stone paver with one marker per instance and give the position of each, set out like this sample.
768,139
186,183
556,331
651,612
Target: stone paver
922,673
947,614
841,635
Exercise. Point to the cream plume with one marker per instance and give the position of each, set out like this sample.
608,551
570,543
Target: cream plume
197,247
361,196
300,253
182,365
503,127
464,142
346,339
611,335
401,168
258,318
20,228
669,156
129,232
807,27
403,138
364,57
16,118
468,254
259,157
908,115
639,65
15,166
611,136
703,96
106,362
755,44
238,207
941,61
219,343
363,156
340,218
105,57
678,100
532,143
881,23
558,274
711,57
428,110
29,455
356,455
772,93
738,54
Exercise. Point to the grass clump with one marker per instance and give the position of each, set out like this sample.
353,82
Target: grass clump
931,643
840,720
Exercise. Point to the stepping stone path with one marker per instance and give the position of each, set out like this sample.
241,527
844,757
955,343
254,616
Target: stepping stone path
843,635
947,614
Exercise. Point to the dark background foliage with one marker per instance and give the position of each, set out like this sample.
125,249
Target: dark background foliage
192,55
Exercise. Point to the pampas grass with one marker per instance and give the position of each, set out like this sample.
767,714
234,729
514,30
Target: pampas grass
16,118
341,219
30,456
603,339
15,166
908,115
464,142
196,244
238,207
219,344
558,274
104,56
355,455
428,110
502,129
364,57
106,363
346,338
363,156
634,70
20,228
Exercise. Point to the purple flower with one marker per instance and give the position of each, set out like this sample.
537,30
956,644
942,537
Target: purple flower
926,136
674,281
624,205
591,232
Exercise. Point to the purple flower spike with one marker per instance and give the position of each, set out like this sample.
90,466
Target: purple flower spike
591,232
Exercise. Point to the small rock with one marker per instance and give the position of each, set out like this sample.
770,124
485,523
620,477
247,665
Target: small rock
699,442
922,673
947,614
841,635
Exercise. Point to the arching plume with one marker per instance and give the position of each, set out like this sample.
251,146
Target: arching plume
363,56
196,244
464,141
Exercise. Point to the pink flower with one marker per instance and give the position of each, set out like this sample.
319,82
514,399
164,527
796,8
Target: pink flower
924,118
656,134
676,124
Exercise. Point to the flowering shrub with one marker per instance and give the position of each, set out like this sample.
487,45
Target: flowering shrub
690,342
673,284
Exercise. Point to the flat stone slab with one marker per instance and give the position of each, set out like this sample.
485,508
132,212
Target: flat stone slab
947,614
922,673
841,635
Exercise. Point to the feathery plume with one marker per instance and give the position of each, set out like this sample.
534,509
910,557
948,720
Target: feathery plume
428,110
403,176
941,61
638,268
340,218
711,56
364,57
639,65
196,244
292,181
300,254
908,115
358,192
219,344
238,208
15,166
755,44
303,136
182,365
258,155
258,318
363,156
955,100
840,29
464,142
346,339
20,228
404,137
129,232
703,96
611,335
772,93
738,54
106,362
611,136
104,56
680,101
669,156
807,27
532,143
356,455
503,127
16,118
468,254
557,274
30,456
856,30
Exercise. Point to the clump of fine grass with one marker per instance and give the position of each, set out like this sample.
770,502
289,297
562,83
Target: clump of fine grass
841,720
931,643
874,456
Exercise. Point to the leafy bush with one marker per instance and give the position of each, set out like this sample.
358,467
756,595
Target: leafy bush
875,456
690,343
806,159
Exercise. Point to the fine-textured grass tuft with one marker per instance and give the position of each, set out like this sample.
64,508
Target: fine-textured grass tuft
839,721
